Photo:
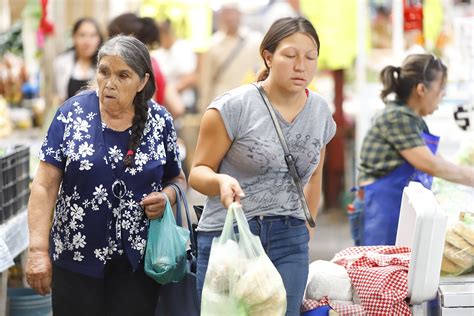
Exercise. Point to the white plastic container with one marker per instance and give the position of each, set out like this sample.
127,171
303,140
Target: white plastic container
422,227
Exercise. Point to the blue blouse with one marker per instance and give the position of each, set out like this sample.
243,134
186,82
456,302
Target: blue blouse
92,225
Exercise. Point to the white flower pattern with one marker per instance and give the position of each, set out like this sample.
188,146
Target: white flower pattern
85,201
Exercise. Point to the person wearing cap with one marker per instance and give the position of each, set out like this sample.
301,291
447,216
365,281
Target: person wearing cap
399,148
105,165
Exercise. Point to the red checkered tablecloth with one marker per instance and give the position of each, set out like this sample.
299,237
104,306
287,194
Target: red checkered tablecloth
342,310
379,274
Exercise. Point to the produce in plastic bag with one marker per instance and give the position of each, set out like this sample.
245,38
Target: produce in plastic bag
449,267
458,254
274,305
456,238
165,256
219,304
457,202
466,231
250,288
328,279
247,283
223,263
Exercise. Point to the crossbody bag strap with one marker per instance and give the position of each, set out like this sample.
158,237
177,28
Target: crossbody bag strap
229,59
289,159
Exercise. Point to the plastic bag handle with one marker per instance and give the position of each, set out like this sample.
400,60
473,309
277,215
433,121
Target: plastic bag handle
250,242
181,199
167,214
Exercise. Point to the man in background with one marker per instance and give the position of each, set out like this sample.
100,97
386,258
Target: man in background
233,56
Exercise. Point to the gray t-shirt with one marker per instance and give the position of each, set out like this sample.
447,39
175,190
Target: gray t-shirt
256,158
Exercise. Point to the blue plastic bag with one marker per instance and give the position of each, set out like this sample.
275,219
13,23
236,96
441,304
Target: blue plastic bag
165,256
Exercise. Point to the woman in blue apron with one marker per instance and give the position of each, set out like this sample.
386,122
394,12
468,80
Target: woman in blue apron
398,148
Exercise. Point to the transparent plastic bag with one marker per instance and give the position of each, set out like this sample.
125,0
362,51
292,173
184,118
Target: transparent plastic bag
458,254
240,278
165,256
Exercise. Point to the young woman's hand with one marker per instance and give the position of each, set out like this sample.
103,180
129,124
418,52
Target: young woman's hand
230,190
38,271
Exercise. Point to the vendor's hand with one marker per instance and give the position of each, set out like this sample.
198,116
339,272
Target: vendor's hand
38,271
230,190
154,205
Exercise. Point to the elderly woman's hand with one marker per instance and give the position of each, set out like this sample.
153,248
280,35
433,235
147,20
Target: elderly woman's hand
38,271
154,205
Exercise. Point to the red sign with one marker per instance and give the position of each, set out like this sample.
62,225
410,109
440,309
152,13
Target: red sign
413,15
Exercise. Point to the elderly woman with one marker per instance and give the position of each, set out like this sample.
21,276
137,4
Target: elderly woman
105,163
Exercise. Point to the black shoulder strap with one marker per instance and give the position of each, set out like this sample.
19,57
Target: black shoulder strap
289,159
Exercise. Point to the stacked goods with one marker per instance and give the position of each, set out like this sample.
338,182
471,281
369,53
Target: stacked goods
456,201
458,254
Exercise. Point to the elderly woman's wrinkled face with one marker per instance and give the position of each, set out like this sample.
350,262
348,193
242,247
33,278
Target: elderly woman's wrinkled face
118,83
86,40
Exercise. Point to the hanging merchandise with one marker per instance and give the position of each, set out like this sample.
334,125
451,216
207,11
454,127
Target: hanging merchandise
191,19
45,26
339,40
412,15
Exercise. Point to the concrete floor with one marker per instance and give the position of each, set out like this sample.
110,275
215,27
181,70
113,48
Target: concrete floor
331,234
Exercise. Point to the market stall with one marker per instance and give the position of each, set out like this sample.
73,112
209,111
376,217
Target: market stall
14,192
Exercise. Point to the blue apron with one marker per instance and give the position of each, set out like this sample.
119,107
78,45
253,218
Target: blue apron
382,199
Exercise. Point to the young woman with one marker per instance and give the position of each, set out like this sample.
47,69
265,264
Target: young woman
399,148
239,156
76,67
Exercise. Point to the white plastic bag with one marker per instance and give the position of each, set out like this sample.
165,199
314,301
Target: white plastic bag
240,278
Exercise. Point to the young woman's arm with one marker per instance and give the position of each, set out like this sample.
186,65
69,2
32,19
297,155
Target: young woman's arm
212,145
312,190
423,159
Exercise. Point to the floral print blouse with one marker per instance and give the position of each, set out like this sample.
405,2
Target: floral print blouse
91,224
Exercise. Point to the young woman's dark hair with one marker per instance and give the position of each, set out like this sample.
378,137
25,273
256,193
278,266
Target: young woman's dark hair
280,30
416,69
76,27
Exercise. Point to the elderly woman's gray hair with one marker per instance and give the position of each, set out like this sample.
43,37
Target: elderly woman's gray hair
135,54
